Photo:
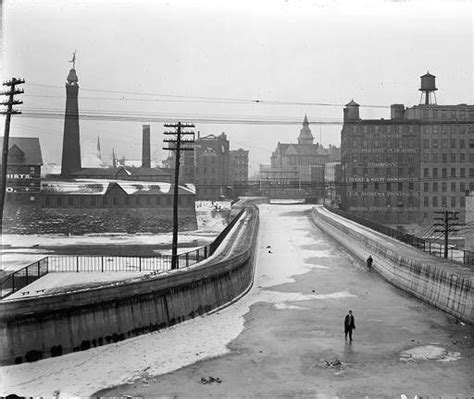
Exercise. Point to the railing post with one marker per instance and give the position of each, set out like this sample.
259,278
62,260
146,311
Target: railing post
187,259
102,264
13,282
26,274
77,264
140,263
205,252
39,269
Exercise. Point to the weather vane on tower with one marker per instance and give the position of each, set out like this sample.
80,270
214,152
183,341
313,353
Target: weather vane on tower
73,60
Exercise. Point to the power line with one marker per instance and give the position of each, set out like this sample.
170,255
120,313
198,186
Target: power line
219,99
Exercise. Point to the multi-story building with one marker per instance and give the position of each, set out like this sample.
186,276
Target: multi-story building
23,170
211,172
239,170
401,170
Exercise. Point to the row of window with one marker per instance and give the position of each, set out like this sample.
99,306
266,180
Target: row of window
453,186
388,172
443,201
400,187
448,143
447,172
83,201
445,158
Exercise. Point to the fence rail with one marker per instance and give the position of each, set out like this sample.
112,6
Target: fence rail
437,249
79,264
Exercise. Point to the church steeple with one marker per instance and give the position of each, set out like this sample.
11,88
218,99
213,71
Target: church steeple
305,136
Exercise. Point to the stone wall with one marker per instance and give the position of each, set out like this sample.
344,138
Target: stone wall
33,220
52,325
443,284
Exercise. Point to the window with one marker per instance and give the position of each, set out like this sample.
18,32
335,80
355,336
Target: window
471,172
426,187
426,143
435,172
453,158
462,187
411,186
453,172
444,187
434,158
462,143
376,186
389,186
426,157
453,202
400,187
444,172
434,201
444,143
354,186
453,187
426,202
434,143
444,201
462,157
462,172
444,158
435,186
462,202
426,172
453,143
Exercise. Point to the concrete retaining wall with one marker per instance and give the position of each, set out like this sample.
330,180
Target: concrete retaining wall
51,325
443,284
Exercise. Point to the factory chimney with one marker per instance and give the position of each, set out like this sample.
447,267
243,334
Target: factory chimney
146,151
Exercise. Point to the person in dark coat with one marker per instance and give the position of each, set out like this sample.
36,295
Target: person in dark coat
349,325
369,262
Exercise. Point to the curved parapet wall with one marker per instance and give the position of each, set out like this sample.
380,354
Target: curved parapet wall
443,284
51,325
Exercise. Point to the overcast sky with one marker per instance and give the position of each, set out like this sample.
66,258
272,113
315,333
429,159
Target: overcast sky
311,51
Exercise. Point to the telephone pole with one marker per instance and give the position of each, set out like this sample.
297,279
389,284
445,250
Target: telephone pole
12,90
447,219
177,144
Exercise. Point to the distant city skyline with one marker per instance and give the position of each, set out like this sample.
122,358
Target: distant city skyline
283,51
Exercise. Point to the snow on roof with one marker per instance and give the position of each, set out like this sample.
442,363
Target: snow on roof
100,187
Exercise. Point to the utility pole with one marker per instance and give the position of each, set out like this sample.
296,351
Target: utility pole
177,144
6,135
447,222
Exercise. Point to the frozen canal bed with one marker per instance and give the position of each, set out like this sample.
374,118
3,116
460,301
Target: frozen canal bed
275,340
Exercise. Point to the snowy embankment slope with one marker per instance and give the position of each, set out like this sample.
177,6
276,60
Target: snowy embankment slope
150,355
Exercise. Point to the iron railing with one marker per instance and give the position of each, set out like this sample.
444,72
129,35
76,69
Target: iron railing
434,248
23,277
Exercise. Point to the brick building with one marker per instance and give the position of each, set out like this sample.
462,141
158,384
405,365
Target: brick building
23,170
239,170
401,170
211,172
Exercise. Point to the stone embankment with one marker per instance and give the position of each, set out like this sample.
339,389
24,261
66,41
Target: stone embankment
52,325
446,285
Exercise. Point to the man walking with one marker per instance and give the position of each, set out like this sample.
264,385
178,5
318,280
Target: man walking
369,262
349,325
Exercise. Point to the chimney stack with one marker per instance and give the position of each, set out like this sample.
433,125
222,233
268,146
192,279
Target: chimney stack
146,152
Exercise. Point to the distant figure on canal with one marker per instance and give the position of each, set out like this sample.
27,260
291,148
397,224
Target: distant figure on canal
349,325
369,262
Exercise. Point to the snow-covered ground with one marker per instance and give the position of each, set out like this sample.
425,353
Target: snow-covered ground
83,373
21,250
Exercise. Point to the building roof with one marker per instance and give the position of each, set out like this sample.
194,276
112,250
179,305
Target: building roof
29,146
300,149
101,186
352,103
112,172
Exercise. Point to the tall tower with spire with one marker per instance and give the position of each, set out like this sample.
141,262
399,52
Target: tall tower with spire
71,157
305,136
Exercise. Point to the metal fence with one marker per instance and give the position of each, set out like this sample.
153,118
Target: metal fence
21,278
457,254
81,263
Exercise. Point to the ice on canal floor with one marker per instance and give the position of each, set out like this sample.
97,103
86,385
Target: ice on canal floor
429,352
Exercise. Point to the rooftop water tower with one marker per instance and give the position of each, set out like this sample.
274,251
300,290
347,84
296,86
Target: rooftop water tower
428,88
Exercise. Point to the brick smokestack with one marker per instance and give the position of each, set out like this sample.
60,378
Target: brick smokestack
71,157
146,151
